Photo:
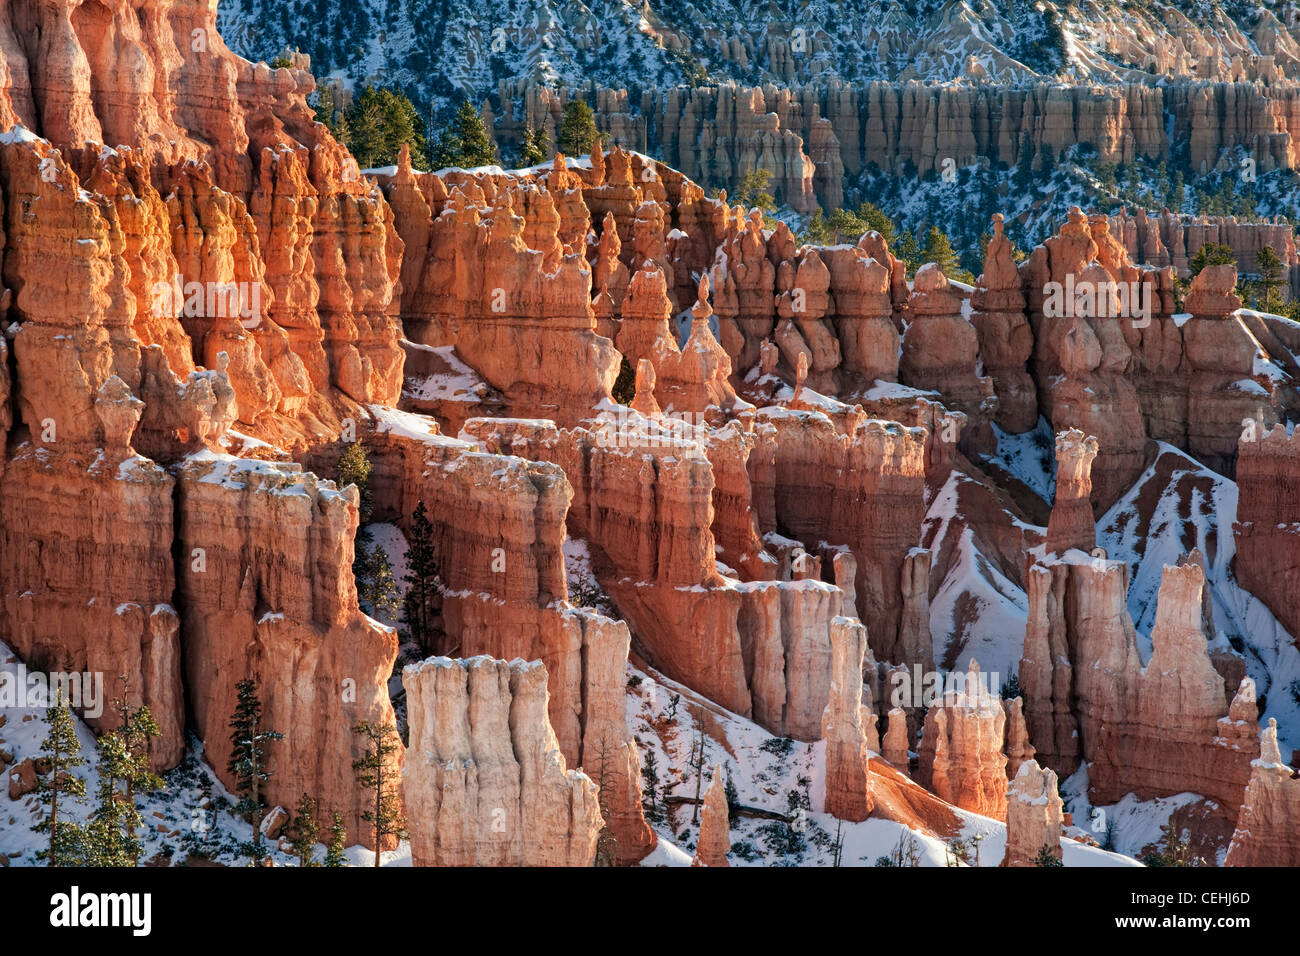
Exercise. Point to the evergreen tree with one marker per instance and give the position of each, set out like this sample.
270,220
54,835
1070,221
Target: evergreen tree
247,760
1046,160
1045,857
876,220
354,468
752,193
938,249
1011,689
376,585
374,772
624,389
338,842
696,763
1024,177
606,842
577,129
306,831
535,147
465,141
379,122
138,728
1271,283
909,252
331,114
844,225
62,750
1210,254
422,580
1177,192
1174,849
733,795
650,788
109,838
816,231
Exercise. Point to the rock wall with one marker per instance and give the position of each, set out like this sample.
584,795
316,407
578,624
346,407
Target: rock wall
1267,829
864,490
1154,730
805,135
1166,238
493,278
644,503
271,597
183,251
486,784
1266,531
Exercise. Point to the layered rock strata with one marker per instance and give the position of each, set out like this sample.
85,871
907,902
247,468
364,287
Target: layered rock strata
486,784
1033,816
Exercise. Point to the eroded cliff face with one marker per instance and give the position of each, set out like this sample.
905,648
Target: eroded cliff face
1266,833
272,598
217,276
485,783
961,755
1153,730
644,503
803,420
1266,532
808,136
1110,359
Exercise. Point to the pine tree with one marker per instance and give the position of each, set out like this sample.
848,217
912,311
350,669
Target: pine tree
376,585
331,114
606,842
909,252
137,729
354,468
1046,857
534,148
465,141
733,795
876,220
1177,192
578,131
1210,254
422,580
373,772
109,838
1174,849
696,763
752,193
1271,282
816,231
938,249
306,831
379,122
247,760
650,787
338,842
1024,177
62,750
